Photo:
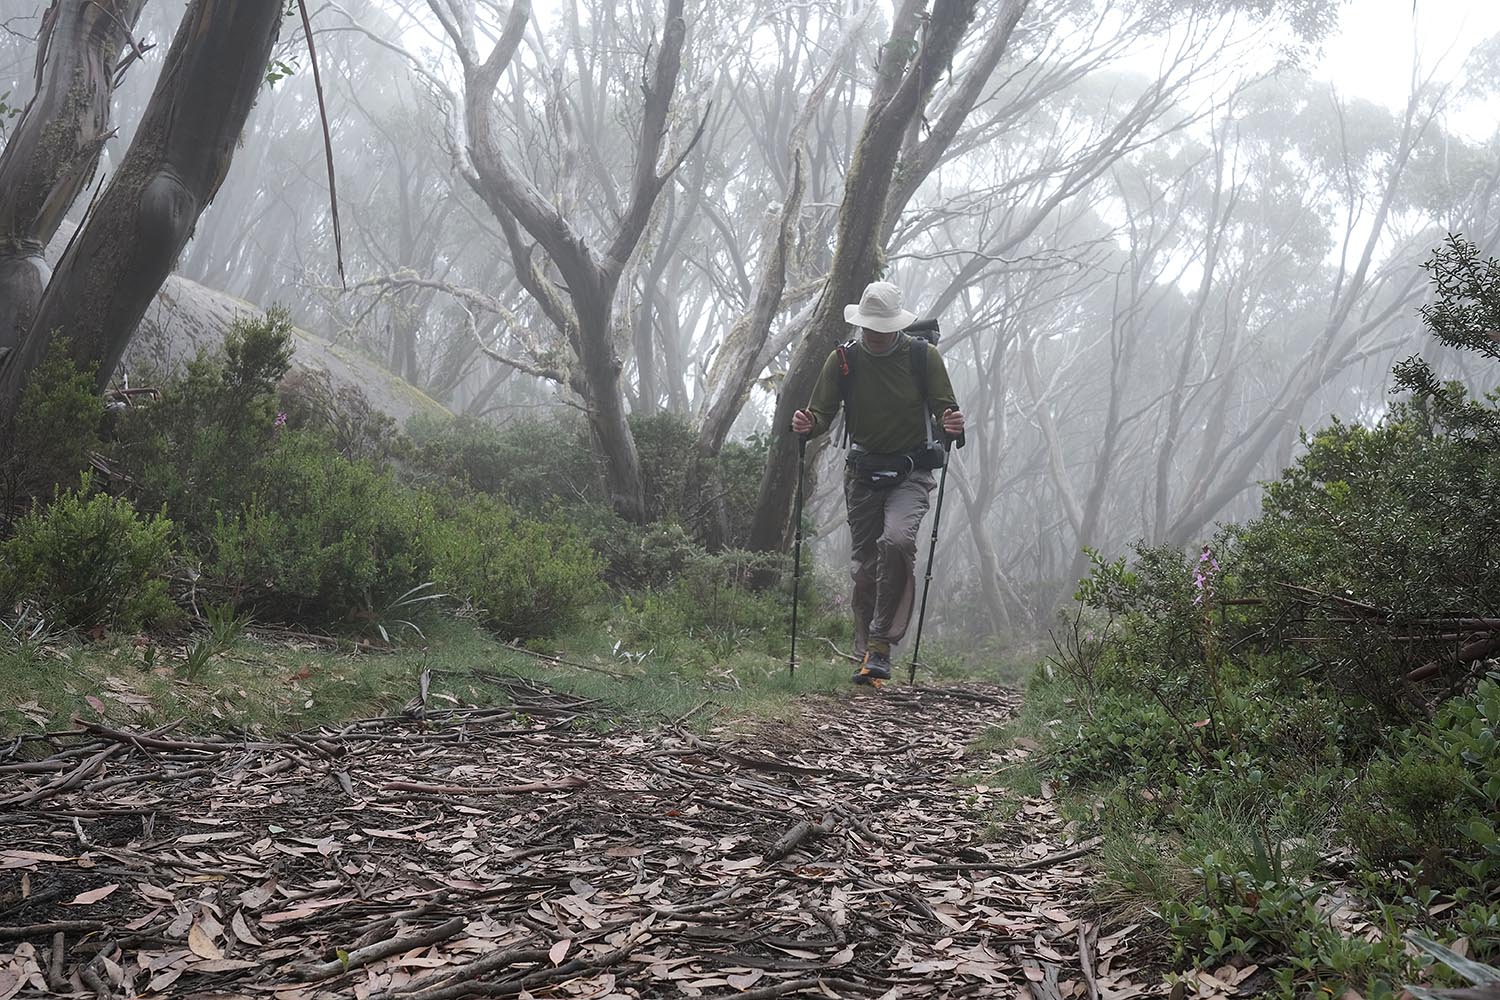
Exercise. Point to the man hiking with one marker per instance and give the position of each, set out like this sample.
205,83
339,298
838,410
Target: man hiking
893,389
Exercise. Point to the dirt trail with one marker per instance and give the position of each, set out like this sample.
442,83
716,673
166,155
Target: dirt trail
515,852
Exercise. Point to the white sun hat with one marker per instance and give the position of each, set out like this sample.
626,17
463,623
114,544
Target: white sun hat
880,309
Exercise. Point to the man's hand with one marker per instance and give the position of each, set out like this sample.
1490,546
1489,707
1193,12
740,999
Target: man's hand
953,422
802,422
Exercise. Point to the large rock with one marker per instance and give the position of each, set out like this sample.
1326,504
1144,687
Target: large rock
187,317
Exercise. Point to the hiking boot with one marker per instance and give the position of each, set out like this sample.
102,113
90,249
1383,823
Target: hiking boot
876,669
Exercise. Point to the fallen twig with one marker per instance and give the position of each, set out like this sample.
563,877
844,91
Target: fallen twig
361,957
796,834
1086,959
561,785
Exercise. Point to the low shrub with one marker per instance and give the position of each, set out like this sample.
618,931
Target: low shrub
526,577
713,602
197,451
89,559
55,429
533,465
318,539
1430,803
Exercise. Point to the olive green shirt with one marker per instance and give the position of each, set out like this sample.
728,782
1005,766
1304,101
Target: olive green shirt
885,403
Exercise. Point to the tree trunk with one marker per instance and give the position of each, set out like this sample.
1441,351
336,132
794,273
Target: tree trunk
179,157
903,86
54,150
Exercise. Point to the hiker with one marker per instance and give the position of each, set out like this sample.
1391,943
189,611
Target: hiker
888,424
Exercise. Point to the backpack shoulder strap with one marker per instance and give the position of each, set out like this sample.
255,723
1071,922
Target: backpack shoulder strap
919,368
846,353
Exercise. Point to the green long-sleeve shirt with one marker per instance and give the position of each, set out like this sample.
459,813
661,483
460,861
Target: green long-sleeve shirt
885,404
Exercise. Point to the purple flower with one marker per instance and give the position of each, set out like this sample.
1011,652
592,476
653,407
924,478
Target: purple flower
280,420
1203,577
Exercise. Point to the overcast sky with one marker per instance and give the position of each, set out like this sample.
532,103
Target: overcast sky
1372,54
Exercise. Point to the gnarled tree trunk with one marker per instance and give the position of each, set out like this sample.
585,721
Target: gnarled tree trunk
180,155
54,150
902,89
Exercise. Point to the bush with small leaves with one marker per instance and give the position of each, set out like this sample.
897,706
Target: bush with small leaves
318,538
526,577
88,560
56,427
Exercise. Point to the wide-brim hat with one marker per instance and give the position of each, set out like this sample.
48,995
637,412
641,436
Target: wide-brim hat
879,309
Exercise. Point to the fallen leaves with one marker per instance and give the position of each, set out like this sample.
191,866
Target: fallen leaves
93,895
506,851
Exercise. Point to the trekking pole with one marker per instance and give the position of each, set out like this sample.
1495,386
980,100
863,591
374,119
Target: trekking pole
937,516
791,661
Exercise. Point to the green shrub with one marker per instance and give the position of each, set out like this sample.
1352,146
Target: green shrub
341,413
197,450
90,559
1431,802
533,465
526,577
713,601
319,539
56,427
637,557
537,466
715,500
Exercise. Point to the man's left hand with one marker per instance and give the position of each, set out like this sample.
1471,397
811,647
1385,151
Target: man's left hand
953,422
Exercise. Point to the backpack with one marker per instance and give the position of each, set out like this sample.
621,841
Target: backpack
930,454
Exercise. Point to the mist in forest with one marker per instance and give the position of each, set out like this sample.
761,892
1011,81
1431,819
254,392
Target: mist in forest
1159,239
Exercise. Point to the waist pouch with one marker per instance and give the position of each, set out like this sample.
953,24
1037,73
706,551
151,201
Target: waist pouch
880,472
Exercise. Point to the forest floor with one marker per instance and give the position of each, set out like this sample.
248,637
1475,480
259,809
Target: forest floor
542,849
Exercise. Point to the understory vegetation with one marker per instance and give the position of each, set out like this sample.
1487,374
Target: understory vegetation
239,493
1289,739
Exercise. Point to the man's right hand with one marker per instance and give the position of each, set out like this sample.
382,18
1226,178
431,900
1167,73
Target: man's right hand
802,422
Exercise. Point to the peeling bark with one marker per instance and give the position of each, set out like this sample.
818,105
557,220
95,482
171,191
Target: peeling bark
904,83
54,151
181,153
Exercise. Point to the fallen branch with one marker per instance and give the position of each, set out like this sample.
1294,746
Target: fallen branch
1030,866
1087,847
558,661
55,927
561,785
64,782
1468,654
1086,959
799,831
56,981
464,974
782,989
361,957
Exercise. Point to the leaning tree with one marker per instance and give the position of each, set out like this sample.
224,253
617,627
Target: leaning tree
134,231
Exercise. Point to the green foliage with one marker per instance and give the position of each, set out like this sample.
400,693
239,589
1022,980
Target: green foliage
1464,315
1242,723
318,538
341,413
1398,516
533,465
89,559
525,577
713,600
544,465
638,557
1431,801
56,427
224,630
197,451
717,505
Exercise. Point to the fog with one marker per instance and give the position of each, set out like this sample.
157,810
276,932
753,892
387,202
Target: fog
1161,236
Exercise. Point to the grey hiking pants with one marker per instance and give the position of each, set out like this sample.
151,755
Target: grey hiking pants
883,565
